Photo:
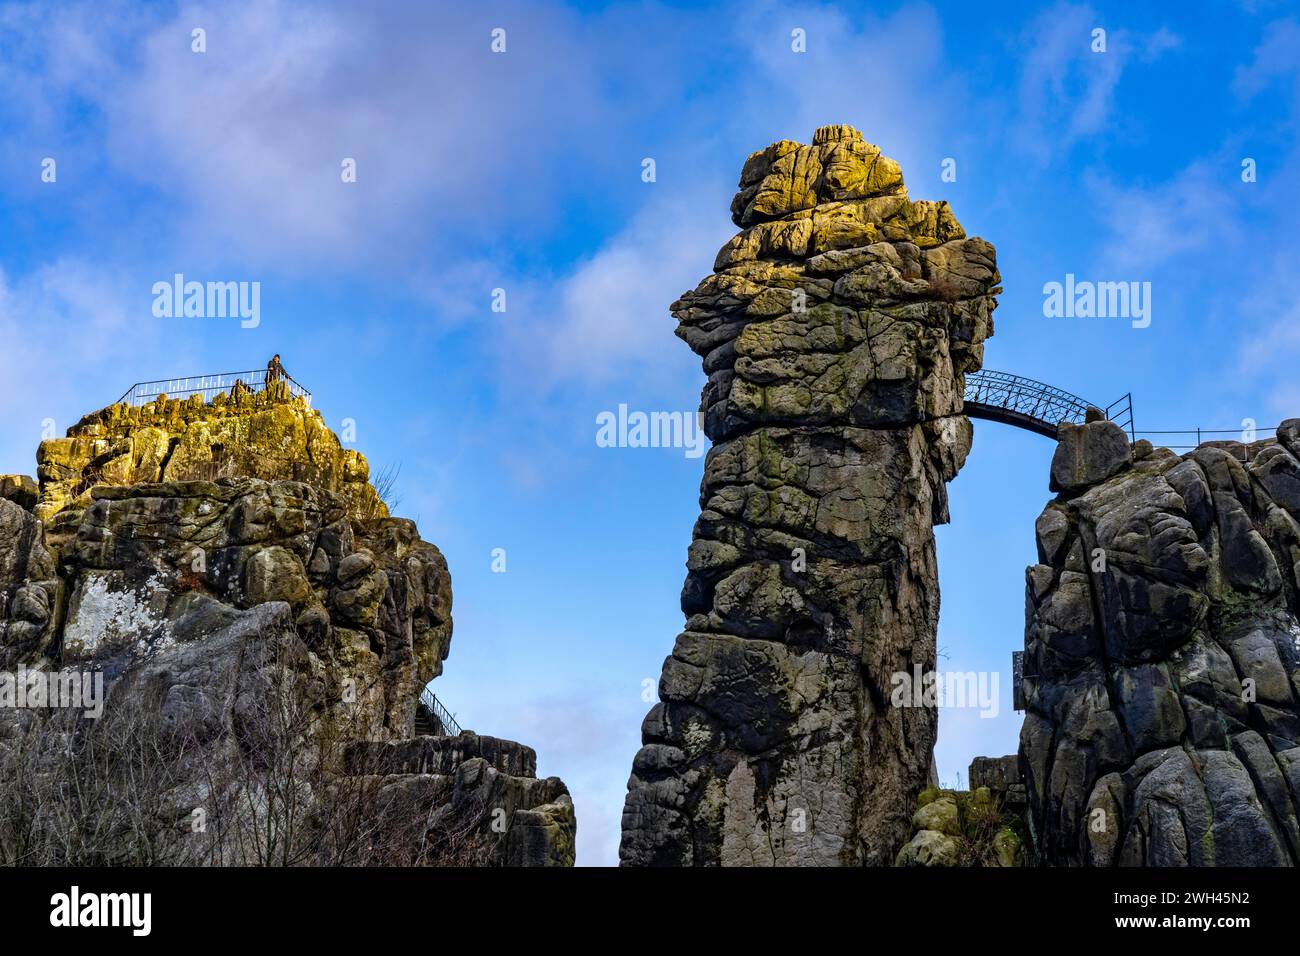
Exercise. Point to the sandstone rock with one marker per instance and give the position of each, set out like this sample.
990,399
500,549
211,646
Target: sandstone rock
1001,777
1167,740
1088,454
20,489
265,435
500,819
835,333
1006,844
224,565
276,574
543,835
441,755
929,848
940,815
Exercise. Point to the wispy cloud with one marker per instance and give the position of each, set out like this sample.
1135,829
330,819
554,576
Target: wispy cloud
588,740
1067,91
64,326
1149,226
609,314
1274,58
242,145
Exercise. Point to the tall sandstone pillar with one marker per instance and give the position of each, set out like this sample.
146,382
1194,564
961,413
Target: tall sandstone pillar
835,330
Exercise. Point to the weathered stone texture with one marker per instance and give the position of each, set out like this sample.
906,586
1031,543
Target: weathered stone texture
146,568
835,332
198,554
244,434
1162,663
484,784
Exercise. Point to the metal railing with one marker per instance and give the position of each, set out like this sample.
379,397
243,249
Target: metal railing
209,386
1036,406
1120,412
1203,435
440,713
1025,403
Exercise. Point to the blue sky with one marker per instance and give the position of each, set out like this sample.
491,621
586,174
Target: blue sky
522,171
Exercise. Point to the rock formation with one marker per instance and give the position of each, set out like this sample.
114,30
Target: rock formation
963,828
265,434
835,332
1001,776
205,556
1162,654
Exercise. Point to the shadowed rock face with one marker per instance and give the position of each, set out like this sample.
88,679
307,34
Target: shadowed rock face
148,569
835,332
1162,669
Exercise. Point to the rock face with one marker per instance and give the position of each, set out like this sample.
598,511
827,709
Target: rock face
462,775
264,434
149,569
1088,454
1162,664
835,332
1001,777
20,489
201,554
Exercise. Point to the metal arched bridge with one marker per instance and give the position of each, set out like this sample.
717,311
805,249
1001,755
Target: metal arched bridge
1025,403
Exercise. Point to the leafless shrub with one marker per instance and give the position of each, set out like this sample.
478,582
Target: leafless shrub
139,787
385,485
78,792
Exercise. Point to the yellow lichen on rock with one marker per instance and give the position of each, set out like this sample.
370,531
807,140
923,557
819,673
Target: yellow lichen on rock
268,434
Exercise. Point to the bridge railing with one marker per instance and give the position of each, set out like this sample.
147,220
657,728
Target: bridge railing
1035,405
1024,395
1025,403
444,717
142,393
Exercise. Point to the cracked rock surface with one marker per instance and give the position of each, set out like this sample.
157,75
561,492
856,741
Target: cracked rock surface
200,554
835,332
1162,664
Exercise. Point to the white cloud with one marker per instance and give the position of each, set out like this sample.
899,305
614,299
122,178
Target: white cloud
1274,58
1148,227
240,148
1066,91
1268,341
242,145
609,315
885,75
252,134
66,327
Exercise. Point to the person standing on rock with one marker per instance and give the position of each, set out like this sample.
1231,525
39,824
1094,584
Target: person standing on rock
274,370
